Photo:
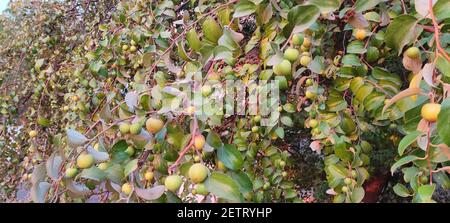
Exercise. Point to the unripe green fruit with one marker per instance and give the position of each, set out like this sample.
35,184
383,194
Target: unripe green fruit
305,60
283,68
345,189
197,159
423,179
257,118
198,173
85,161
284,174
297,39
266,186
255,129
413,52
309,82
348,181
201,189
125,47
354,173
291,54
124,128
372,54
133,43
133,49
130,150
173,182
310,95
206,90
282,164
71,172
135,128
103,166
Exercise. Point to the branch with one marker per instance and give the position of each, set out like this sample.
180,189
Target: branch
436,31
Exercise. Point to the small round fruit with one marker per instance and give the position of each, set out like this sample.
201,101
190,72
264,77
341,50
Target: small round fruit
206,90
310,95
71,172
133,49
348,181
66,108
126,188
124,128
266,186
306,42
255,129
284,174
315,131
130,150
305,60
75,98
372,54
313,123
148,175
291,54
198,173
197,159
423,179
125,47
354,173
194,191
201,189
345,189
135,128
283,68
309,82
133,43
430,111
297,39
280,109
257,118
282,164
85,161
221,166
360,34
173,182
154,125
103,166
33,133
199,142
413,52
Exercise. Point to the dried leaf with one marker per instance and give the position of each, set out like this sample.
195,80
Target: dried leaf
358,21
427,73
150,194
53,165
403,94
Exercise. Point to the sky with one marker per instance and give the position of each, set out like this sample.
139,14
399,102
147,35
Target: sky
3,4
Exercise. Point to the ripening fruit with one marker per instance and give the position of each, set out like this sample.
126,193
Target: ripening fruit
305,60
148,175
103,166
423,179
430,111
297,39
125,47
220,165
71,172
190,110
201,189
199,142
413,52
133,43
283,68
360,34
124,128
135,128
33,133
310,95
133,49
173,182
280,109
197,159
309,82
75,98
206,90
66,108
282,164
291,54
130,150
354,174
85,161
266,186
313,123
284,174
257,118
348,181
126,188
255,129
154,125
198,173
306,42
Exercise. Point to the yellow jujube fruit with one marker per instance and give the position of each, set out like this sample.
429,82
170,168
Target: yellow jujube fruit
173,182
198,173
360,34
33,133
126,189
430,111
199,142
154,125
85,161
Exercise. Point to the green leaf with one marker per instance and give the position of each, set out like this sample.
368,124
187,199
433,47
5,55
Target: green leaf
364,5
326,6
403,161
443,65
401,32
93,173
130,167
442,9
230,39
300,18
38,191
223,186
356,47
286,120
425,192
408,140
244,8
243,181
230,157
357,195
401,190
341,151
443,122
213,139
75,139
